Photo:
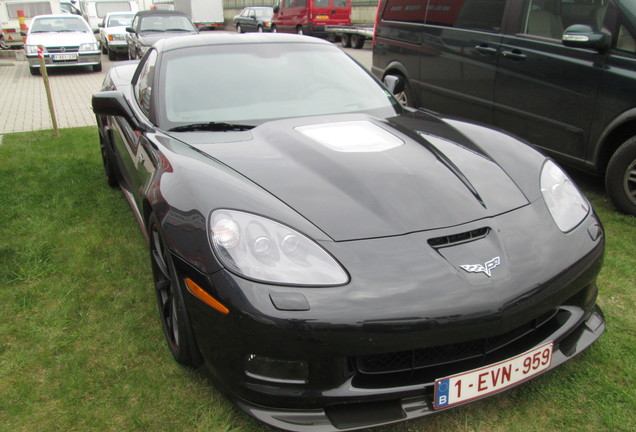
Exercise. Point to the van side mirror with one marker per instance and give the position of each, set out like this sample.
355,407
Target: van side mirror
276,9
130,30
583,36
395,84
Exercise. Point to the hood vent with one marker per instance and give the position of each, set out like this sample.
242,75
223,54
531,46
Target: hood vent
454,239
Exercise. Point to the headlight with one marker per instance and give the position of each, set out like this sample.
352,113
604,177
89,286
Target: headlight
88,46
116,37
567,205
264,250
32,49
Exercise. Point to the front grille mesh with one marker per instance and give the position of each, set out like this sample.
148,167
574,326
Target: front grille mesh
62,50
440,355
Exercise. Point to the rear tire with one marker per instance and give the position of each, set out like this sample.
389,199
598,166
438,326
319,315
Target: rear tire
406,97
357,41
620,178
345,40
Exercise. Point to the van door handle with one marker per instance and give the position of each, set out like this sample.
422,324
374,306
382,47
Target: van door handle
485,49
515,55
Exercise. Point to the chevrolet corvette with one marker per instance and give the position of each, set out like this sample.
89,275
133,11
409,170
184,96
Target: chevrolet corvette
333,259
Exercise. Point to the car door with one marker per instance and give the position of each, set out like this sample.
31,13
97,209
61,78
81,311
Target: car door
546,92
458,57
132,146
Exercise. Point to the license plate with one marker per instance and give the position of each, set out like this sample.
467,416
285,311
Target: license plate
322,16
64,56
480,382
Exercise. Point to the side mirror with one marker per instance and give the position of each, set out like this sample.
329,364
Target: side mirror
23,33
276,9
100,25
130,30
583,36
113,103
395,84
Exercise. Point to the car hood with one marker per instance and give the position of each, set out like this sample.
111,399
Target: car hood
150,38
115,30
357,177
60,39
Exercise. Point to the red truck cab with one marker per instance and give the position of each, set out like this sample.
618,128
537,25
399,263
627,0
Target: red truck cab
310,16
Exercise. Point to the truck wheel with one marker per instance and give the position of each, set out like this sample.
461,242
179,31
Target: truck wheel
357,41
620,178
345,40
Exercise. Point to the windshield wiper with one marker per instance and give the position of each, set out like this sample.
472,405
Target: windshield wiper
151,30
178,30
211,126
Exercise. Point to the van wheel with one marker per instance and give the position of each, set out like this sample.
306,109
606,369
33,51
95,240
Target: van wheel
406,97
299,30
357,41
274,29
345,40
620,178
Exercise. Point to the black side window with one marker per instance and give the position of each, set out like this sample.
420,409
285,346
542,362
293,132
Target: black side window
143,87
549,18
467,14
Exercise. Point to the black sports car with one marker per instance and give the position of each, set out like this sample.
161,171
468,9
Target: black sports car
336,260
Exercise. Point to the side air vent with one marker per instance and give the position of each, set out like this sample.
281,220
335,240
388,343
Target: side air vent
454,239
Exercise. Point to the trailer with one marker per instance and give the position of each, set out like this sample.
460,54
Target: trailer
351,36
205,14
9,23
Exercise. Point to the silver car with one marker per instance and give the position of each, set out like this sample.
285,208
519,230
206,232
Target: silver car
112,33
66,40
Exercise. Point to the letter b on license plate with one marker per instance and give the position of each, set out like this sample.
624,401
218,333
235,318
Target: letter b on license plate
480,382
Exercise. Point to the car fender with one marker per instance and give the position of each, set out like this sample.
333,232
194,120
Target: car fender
620,129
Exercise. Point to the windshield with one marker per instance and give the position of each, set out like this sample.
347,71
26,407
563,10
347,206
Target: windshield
64,24
253,83
165,23
120,20
264,12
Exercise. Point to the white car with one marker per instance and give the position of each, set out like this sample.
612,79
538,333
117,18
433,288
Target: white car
66,40
112,33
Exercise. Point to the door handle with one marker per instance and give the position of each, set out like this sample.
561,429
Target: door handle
485,49
515,55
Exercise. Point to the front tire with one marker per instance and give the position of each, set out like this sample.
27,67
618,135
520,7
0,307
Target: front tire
345,40
239,29
299,30
406,97
112,55
169,286
110,169
97,68
620,178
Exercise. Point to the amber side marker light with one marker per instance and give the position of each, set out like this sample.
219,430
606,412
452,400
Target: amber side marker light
206,298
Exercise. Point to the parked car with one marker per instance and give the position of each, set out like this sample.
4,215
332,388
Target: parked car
310,17
67,40
150,26
559,73
112,33
254,19
341,261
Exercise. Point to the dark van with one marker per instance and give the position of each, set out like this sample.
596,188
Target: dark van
559,73
310,16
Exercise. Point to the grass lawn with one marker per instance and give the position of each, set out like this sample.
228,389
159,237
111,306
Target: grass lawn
81,346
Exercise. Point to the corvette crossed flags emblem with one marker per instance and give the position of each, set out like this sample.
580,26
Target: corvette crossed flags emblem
487,268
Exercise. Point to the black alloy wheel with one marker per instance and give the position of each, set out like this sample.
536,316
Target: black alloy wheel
169,286
620,178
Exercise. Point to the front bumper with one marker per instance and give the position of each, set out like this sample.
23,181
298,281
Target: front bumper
373,349
88,58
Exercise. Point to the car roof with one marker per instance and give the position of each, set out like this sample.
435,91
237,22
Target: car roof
159,12
234,39
120,13
59,16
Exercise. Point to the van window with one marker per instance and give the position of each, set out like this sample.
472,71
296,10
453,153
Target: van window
321,3
339,3
467,14
625,41
30,9
549,18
